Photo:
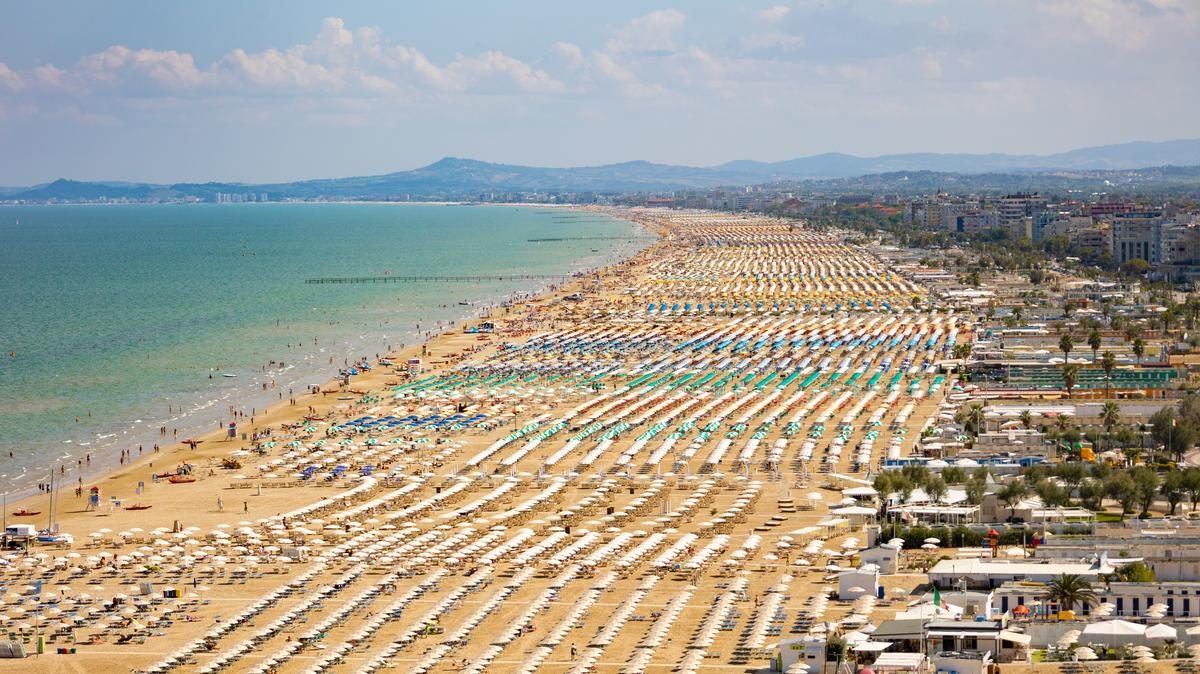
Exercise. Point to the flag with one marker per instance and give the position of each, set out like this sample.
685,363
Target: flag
1174,422
937,598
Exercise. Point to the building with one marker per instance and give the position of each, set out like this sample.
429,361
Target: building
1016,212
1137,236
1131,600
990,573
1173,556
854,583
972,222
1096,240
808,649
886,558
968,647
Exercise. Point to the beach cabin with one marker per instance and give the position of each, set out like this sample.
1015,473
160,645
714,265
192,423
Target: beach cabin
808,649
885,557
854,583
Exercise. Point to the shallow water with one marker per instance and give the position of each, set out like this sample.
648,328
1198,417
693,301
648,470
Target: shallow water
116,316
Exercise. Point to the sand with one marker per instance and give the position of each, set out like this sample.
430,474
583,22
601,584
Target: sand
210,600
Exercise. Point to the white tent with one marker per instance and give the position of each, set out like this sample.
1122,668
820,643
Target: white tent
1115,632
1161,631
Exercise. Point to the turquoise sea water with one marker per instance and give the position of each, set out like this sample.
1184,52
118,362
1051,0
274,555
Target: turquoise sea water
117,314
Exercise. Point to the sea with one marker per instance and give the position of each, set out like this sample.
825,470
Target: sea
119,320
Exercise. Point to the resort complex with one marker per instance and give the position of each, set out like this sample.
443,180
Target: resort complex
757,445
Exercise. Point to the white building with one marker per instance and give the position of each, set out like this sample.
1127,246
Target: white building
990,573
854,583
885,557
808,649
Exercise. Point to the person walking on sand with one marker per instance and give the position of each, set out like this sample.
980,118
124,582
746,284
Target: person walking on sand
220,505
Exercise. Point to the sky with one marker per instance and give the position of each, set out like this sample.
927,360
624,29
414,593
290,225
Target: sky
172,91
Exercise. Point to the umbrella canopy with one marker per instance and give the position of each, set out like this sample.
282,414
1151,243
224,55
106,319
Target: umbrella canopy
1115,631
1161,631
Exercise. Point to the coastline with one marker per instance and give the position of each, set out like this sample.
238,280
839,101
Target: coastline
109,469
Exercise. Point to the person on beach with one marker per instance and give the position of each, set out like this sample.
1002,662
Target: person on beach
220,505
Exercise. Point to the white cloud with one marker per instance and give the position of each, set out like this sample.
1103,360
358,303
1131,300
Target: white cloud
653,32
337,61
571,54
9,79
608,68
1129,25
773,14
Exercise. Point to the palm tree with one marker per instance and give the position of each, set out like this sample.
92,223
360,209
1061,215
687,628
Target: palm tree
1069,375
1109,362
1094,342
1110,416
1069,590
1026,419
961,351
974,416
1066,344
1139,348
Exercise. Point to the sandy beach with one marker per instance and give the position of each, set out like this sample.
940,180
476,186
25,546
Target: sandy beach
547,526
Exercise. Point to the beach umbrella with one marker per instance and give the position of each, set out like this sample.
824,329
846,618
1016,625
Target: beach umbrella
1161,631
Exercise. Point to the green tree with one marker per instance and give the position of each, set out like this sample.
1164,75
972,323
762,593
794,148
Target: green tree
1139,348
1121,488
1109,362
1091,495
1191,484
1136,572
1174,432
935,487
972,418
961,352
1065,344
1069,375
1094,342
976,489
1011,494
1146,483
918,475
1068,590
1071,474
1052,495
1026,419
1110,416
954,475
1173,489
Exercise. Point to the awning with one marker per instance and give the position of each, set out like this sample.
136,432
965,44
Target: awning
905,661
908,628
1015,637
872,646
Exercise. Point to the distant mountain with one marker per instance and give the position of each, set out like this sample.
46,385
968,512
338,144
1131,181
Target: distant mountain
1125,156
458,178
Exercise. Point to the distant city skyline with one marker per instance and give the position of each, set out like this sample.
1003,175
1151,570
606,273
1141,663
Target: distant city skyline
267,92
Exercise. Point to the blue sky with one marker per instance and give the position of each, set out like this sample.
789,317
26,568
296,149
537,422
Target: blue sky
172,91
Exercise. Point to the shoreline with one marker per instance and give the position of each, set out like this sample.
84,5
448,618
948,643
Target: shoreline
110,467
405,508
